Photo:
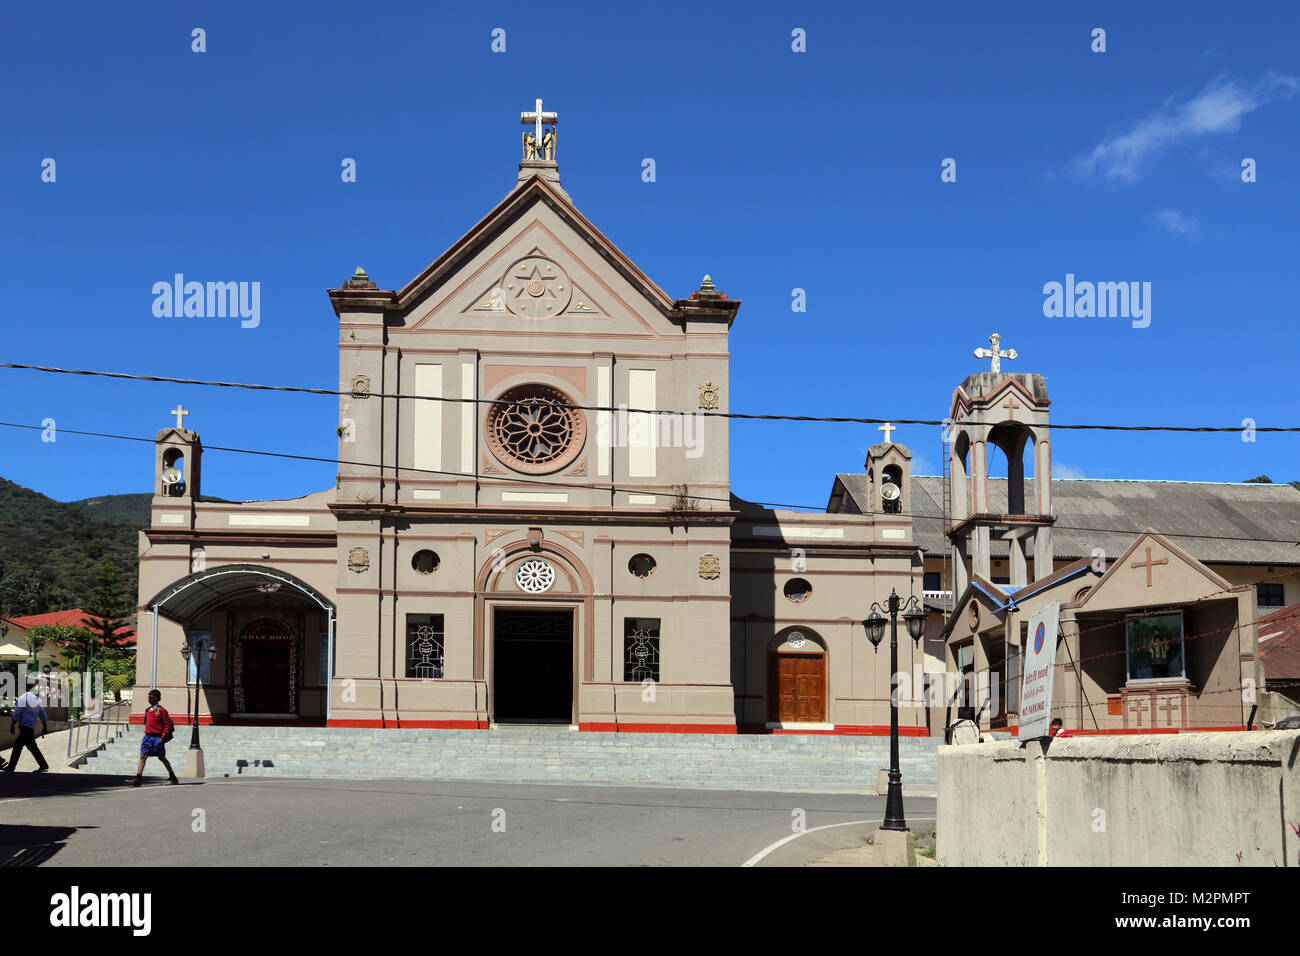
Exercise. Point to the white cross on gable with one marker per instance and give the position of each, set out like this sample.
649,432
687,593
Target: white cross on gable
887,428
995,353
180,413
537,118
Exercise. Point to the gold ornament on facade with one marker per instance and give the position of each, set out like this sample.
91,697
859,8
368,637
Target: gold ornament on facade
710,567
358,560
535,286
708,396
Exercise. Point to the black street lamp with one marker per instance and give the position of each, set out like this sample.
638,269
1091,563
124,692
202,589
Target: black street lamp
195,646
875,625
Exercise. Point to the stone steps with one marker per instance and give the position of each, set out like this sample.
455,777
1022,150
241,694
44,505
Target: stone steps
551,755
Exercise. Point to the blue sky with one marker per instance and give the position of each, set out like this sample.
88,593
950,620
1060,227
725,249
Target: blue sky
775,170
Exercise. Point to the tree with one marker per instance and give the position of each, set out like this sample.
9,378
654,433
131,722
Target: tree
110,613
1260,480
119,672
29,591
75,641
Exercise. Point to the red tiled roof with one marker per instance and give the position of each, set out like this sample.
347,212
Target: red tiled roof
1279,644
72,617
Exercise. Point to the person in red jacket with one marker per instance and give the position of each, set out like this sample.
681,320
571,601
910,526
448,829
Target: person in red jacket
1058,728
158,728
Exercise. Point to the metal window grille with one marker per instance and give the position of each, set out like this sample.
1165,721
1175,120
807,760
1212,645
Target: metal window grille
424,644
641,649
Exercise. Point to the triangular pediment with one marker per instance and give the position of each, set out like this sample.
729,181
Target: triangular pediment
535,265
1153,572
981,605
176,436
962,403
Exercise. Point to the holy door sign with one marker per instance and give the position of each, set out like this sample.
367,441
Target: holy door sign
1040,665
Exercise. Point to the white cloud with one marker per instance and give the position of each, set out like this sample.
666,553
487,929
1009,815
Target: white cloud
1175,223
1066,473
1217,109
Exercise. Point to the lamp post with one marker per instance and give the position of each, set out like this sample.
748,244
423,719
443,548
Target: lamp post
194,756
875,625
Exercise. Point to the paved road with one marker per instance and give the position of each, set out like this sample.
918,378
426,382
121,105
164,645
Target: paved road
76,820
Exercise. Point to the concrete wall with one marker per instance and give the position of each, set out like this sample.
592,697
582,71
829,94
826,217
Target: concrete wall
1209,799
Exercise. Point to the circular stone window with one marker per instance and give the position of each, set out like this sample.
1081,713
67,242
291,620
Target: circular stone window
426,562
797,590
530,430
534,576
642,565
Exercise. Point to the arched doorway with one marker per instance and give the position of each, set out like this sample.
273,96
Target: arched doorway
273,633
265,668
533,627
796,678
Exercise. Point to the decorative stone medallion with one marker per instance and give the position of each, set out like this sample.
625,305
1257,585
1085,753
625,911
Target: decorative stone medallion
534,575
360,386
359,560
708,396
536,287
710,566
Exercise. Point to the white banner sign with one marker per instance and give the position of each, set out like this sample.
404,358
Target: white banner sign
1040,665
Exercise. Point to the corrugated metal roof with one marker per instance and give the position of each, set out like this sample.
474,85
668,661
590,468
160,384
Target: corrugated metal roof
1279,644
1232,523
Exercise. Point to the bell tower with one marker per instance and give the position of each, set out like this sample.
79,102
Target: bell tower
889,476
1008,410
176,460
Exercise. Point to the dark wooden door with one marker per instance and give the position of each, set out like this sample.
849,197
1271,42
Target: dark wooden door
800,688
266,676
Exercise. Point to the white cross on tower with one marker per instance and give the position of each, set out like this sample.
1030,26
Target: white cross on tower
180,413
537,117
887,428
995,353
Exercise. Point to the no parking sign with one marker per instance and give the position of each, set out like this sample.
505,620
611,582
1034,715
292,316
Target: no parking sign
1040,665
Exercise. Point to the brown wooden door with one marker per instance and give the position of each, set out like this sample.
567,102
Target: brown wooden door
800,688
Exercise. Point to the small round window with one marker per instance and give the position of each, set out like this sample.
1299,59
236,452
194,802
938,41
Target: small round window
642,565
797,590
426,562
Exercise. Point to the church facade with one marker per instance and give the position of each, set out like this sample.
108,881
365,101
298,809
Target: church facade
533,521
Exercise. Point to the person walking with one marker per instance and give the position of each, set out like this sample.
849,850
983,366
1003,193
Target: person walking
158,729
27,710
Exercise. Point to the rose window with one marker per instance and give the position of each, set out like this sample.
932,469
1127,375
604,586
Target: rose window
530,429
534,576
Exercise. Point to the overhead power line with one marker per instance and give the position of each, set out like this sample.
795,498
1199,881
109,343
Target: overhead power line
742,416
555,483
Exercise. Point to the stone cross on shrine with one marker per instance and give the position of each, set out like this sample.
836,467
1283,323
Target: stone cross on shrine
995,353
1149,564
887,428
180,413
541,143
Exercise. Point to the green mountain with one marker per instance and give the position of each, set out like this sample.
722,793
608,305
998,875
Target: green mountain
49,549
117,509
